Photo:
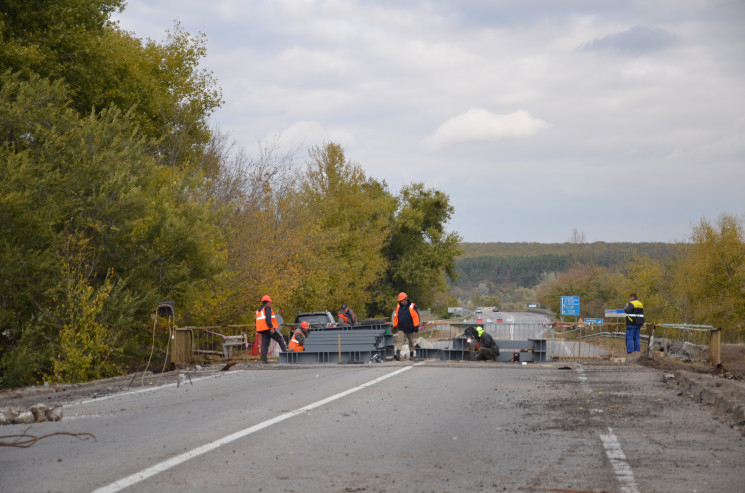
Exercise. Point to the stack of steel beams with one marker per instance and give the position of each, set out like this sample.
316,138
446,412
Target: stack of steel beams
531,350
344,343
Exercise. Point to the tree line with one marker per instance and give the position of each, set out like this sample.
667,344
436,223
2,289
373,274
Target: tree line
700,281
115,195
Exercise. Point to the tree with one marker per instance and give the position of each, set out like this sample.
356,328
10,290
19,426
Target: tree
354,216
86,190
597,288
419,250
75,42
716,267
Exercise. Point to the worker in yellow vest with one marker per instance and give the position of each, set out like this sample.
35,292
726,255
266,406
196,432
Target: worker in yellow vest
634,320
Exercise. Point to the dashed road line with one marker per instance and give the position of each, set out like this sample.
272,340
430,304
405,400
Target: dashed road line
583,380
613,449
618,460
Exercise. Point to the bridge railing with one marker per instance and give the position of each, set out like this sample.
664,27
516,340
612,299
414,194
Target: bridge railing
606,340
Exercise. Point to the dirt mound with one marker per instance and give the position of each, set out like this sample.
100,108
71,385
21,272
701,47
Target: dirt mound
732,366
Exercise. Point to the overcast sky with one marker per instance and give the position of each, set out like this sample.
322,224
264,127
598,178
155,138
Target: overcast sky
623,120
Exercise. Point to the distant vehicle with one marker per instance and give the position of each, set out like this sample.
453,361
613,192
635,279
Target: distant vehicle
495,309
316,319
479,310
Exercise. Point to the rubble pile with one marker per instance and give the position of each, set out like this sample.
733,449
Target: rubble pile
34,414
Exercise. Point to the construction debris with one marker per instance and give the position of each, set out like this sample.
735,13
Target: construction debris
35,414
24,440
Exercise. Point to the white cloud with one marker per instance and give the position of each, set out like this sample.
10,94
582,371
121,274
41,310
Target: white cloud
480,125
568,99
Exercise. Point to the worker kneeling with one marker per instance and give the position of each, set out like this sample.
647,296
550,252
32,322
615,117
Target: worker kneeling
486,346
297,342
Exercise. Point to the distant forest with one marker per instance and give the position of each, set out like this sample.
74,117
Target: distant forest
511,265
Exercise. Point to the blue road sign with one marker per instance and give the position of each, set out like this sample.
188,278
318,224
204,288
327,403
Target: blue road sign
570,305
593,320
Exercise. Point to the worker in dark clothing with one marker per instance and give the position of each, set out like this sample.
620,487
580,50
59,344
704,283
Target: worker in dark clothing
486,346
406,319
346,316
297,342
634,320
266,327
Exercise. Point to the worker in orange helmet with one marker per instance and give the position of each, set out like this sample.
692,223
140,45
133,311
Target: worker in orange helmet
266,327
406,319
297,342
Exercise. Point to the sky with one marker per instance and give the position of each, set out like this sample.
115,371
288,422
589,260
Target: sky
540,119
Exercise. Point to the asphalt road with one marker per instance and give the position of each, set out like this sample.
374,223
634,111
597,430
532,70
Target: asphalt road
440,427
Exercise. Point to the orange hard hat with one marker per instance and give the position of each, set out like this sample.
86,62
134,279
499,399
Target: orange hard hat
266,297
402,296
304,325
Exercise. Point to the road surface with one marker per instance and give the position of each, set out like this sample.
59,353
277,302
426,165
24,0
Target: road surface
430,426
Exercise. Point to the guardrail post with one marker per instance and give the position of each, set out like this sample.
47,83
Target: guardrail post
650,340
715,347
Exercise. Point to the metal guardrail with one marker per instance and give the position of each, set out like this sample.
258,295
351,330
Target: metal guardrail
595,341
564,340
221,340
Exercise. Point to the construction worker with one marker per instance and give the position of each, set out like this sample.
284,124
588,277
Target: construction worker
486,346
346,315
266,327
297,342
634,320
406,319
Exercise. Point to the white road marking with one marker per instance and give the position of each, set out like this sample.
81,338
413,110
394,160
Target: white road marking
583,380
612,448
618,460
179,459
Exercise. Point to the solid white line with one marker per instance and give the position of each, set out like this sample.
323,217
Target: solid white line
179,459
618,460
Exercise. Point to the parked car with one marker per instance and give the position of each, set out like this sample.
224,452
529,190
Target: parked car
316,319
495,309
479,310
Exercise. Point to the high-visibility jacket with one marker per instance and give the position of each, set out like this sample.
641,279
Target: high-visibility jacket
262,323
347,317
634,313
297,343
414,317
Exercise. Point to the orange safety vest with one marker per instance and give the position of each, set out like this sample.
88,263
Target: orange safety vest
295,345
261,323
414,315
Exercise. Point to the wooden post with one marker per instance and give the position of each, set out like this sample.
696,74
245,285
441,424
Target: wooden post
715,347
650,340
182,346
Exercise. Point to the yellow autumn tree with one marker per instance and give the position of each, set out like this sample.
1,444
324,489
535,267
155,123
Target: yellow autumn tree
715,274
352,215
